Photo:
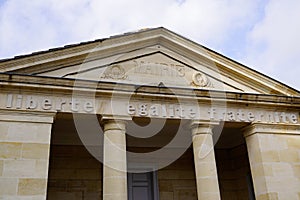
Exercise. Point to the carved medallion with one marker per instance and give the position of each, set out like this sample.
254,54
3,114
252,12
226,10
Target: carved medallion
200,79
114,72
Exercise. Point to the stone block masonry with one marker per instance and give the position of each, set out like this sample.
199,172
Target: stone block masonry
24,155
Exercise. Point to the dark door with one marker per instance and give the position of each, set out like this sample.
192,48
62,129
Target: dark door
141,186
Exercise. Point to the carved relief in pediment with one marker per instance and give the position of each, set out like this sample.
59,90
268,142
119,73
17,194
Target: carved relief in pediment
201,80
153,70
115,72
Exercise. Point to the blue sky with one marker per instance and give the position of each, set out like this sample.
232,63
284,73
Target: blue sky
262,34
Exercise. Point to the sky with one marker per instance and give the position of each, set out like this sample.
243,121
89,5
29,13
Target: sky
261,34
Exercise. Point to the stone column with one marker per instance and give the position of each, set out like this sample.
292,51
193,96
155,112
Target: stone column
114,160
205,163
274,155
24,154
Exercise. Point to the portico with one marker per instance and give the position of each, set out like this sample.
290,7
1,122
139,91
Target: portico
148,114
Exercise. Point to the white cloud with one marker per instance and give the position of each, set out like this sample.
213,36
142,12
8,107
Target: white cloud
274,43
210,21
33,25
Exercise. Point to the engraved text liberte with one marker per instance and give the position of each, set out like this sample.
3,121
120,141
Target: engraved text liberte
159,110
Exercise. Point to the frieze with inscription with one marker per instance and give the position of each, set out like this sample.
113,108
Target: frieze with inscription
146,109
190,112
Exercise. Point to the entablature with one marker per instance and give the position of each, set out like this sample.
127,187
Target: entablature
34,93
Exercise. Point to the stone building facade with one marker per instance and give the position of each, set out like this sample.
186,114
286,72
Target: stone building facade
145,115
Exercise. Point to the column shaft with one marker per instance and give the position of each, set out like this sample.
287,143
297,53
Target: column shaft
205,164
114,161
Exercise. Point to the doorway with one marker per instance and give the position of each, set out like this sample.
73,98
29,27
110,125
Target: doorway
142,186
233,165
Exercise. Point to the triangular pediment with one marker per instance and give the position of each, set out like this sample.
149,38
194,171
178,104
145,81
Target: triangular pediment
151,67
155,57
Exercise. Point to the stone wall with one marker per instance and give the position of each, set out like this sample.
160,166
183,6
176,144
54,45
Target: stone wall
275,162
177,181
24,155
74,174
233,168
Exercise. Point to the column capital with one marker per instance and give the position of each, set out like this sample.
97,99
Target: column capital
115,118
267,128
114,122
202,126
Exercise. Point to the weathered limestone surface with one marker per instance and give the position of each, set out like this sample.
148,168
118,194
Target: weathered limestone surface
24,154
73,174
274,154
178,180
114,161
205,163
